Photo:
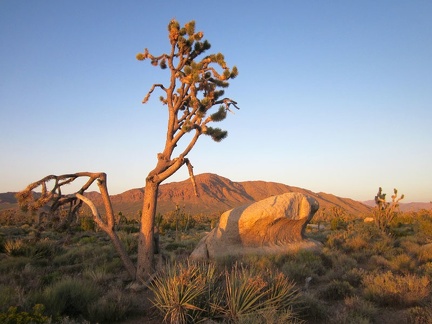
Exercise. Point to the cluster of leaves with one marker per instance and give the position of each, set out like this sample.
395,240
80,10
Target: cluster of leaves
201,83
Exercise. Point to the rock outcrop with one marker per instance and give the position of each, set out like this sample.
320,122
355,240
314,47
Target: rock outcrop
270,226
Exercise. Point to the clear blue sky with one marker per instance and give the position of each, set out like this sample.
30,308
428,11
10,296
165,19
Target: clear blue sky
335,96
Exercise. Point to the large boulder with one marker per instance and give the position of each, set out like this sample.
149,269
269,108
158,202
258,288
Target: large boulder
270,226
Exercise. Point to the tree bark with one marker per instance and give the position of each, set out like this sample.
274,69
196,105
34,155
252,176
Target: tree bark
145,262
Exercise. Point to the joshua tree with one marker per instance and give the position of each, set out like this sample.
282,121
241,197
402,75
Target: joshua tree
195,86
386,211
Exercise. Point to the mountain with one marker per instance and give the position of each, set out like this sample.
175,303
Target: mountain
216,195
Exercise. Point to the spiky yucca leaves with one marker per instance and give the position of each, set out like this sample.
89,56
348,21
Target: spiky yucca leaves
248,292
180,291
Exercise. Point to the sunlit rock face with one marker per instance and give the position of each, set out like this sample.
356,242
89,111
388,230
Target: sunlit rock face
270,226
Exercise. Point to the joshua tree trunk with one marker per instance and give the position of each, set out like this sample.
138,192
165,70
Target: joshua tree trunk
146,243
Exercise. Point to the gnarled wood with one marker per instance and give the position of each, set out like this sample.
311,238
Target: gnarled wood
54,199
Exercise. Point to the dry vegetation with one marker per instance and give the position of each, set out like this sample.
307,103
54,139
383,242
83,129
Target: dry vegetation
362,275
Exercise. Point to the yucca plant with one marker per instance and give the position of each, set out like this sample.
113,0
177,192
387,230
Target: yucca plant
181,290
244,291
248,292
282,293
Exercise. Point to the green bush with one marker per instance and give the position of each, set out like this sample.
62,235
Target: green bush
44,250
336,290
114,305
354,276
337,223
69,297
355,311
13,316
312,309
8,296
87,224
302,265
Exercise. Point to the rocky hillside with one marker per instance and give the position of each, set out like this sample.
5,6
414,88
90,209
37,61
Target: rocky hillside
216,195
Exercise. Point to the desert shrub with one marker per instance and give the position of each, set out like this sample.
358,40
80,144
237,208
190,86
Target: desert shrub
260,262
13,265
68,296
129,228
356,243
410,246
112,306
44,250
97,274
77,258
87,240
354,311
13,316
354,276
336,290
87,224
8,296
361,308
50,277
271,316
420,315
129,241
337,223
15,247
403,263
388,289
174,246
425,253
312,309
336,239
383,246
426,269
302,265
424,223
338,264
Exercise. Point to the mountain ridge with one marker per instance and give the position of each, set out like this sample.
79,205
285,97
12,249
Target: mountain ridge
216,195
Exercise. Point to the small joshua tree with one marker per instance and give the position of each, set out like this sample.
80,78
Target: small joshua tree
385,212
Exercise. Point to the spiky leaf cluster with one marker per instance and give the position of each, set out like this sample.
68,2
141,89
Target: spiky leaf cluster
196,85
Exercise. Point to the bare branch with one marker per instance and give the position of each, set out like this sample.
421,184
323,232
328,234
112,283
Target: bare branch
192,177
146,98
